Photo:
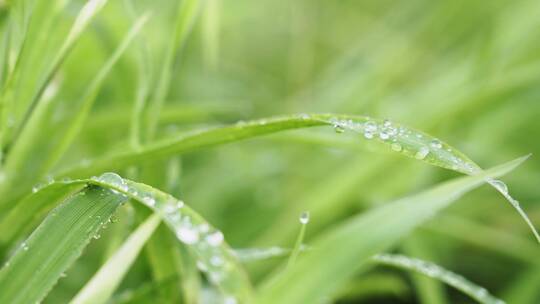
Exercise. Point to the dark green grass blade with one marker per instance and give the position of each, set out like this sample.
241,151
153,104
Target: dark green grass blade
40,261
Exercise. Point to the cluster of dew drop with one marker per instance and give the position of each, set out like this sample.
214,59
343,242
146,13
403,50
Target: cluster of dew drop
407,141
215,259
435,271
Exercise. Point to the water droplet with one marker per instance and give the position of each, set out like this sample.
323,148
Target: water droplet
384,135
387,123
187,235
304,217
216,261
230,300
422,153
500,185
215,239
25,246
204,228
396,147
339,129
113,179
368,135
97,236
149,200
436,144
370,126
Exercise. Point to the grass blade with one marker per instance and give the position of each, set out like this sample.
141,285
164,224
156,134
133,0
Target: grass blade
340,252
23,166
102,285
480,294
40,261
399,138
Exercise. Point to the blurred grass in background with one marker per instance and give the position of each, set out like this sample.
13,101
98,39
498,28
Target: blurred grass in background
467,72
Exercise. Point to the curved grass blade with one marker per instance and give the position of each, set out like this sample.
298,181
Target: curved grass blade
412,143
102,285
341,252
397,137
214,257
480,294
40,261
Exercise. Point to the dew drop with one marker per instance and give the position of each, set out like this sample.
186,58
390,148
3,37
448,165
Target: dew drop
304,217
422,153
216,261
368,135
25,246
436,144
396,147
370,126
215,239
150,201
384,135
500,185
387,123
230,300
339,129
187,235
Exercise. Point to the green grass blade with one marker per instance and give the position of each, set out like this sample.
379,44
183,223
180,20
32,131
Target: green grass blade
214,257
85,17
344,250
480,294
304,219
102,285
23,166
186,15
412,143
397,137
40,261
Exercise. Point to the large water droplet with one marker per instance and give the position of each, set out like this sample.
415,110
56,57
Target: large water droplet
422,153
500,185
187,235
215,239
304,217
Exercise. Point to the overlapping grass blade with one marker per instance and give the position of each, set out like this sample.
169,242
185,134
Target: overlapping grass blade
432,270
102,285
39,262
345,249
24,166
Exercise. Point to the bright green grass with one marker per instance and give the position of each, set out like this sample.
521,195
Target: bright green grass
113,113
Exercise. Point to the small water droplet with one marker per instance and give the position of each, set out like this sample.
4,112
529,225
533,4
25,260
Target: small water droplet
339,129
422,153
25,246
384,135
396,147
304,217
436,144
149,200
97,236
230,300
215,239
216,261
500,185
370,126
187,235
387,123
368,135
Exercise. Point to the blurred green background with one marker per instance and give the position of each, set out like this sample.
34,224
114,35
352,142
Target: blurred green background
465,71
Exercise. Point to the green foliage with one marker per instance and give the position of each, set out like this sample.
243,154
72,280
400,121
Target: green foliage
203,100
